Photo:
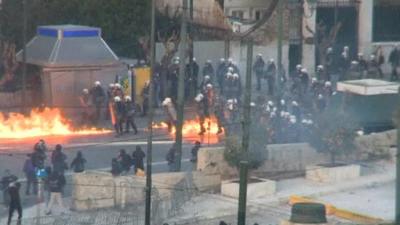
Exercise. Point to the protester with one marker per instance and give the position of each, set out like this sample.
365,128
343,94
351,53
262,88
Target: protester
116,169
137,156
56,184
125,160
130,115
6,180
170,157
194,151
58,160
29,171
78,164
15,201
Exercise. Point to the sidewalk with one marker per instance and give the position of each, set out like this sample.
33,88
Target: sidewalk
359,195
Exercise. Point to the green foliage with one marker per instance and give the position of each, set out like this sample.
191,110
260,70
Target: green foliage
334,133
234,153
122,21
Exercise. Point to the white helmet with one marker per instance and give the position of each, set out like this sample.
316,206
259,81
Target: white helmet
298,66
294,103
166,101
112,85
230,60
321,67
117,99
222,60
229,75
206,77
194,59
354,63
313,80
346,48
235,76
208,61
328,84
304,70
360,133
230,101
329,50
259,55
372,56
320,96
271,60
360,54
283,101
282,113
292,119
97,83
270,103
177,58
128,98
230,69
252,104
273,114
199,97
117,85
85,91
176,62
209,86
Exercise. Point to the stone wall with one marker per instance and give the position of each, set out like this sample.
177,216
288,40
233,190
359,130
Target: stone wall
296,156
93,190
279,158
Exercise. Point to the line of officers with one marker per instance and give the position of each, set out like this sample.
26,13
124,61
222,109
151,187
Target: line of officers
119,108
217,96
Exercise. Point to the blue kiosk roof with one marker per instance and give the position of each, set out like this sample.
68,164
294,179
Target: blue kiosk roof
68,46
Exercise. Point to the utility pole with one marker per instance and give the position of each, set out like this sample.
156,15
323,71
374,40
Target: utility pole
180,101
397,207
280,37
247,99
246,137
24,31
151,115
191,47
242,193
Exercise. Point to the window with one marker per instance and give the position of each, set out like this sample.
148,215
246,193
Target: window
258,15
386,21
237,14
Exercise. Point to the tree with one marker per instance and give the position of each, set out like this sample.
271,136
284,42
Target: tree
334,133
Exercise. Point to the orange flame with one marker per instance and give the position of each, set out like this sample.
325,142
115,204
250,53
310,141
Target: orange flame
40,123
191,130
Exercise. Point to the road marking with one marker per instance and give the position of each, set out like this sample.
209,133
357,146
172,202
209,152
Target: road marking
122,143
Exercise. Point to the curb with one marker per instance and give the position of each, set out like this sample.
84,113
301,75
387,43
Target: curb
341,213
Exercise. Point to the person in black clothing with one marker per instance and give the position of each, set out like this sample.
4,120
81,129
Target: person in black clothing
115,167
271,74
58,160
195,150
170,157
15,201
130,115
29,170
192,74
208,70
138,155
39,154
125,160
78,164
145,95
394,59
258,68
6,180
55,184
220,73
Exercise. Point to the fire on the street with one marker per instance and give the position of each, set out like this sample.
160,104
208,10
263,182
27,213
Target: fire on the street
191,130
40,123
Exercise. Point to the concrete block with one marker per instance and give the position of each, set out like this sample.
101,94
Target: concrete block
332,174
255,190
286,222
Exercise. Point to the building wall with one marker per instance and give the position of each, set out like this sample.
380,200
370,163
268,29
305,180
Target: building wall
249,7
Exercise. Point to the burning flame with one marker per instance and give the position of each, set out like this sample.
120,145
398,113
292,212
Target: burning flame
39,123
191,130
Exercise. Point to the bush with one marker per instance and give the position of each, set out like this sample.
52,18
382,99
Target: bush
234,153
334,133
